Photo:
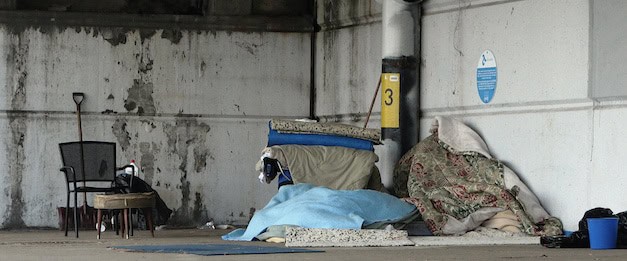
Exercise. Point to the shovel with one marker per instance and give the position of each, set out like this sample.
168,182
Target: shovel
78,98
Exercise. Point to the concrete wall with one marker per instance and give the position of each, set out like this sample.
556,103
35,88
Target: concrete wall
191,106
348,60
558,111
544,120
609,81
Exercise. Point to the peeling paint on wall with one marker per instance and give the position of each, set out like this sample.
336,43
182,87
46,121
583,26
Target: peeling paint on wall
199,213
146,34
16,88
186,134
114,69
115,36
172,34
251,48
140,98
122,135
147,159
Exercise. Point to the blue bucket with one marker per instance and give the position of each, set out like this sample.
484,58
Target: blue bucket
603,232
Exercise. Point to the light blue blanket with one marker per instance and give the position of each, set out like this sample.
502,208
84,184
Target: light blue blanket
319,207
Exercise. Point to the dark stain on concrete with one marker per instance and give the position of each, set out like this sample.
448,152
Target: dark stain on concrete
199,213
187,133
16,157
122,135
110,97
331,11
115,36
151,124
17,73
108,111
147,159
140,98
146,34
174,35
251,213
145,66
249,47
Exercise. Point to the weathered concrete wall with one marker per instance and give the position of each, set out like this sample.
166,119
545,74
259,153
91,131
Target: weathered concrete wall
609,89
609,48
541,121
558,111
190,106
348,59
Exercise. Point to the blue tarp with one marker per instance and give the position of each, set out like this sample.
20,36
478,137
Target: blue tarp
276,138
319,207
213,249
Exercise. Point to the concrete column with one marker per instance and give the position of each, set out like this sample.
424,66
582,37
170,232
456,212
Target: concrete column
399,113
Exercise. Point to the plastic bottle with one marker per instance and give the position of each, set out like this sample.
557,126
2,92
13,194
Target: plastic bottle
134,170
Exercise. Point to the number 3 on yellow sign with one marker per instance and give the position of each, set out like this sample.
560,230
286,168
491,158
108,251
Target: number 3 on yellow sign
390,82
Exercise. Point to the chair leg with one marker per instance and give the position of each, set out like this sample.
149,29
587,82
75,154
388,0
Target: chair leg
76,214
67,213
126,224
130,220
148,214
114,221
99,220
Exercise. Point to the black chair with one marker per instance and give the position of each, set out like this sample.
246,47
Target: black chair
85,163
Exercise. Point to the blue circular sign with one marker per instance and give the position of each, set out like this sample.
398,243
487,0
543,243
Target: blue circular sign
486,76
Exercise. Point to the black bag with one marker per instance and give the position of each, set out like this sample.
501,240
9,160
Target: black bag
581,238
161,213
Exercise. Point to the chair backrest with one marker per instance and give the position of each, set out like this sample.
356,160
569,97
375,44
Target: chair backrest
98,160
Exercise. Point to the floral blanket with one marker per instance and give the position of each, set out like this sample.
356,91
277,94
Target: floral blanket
443,183
287,126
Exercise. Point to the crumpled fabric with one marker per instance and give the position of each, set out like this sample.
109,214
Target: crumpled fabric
310,206
458,187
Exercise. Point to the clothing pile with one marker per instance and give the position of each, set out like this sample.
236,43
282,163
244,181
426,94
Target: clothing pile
336,156
457,186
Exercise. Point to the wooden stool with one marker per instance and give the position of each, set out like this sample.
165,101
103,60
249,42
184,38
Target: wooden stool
145,201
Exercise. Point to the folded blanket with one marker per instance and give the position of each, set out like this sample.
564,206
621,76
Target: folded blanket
319,207
276,138
286,126
333,167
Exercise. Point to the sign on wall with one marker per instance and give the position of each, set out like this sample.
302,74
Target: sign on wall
486,76
390,100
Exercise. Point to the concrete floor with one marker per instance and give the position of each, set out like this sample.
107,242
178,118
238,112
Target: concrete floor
52,245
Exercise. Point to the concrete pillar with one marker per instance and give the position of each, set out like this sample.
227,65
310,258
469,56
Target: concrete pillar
399,110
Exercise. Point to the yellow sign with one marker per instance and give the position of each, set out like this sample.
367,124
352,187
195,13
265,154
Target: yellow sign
390,100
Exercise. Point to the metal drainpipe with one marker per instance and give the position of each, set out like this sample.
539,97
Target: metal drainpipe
400,82
312,65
